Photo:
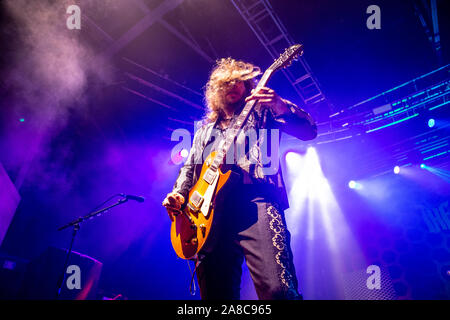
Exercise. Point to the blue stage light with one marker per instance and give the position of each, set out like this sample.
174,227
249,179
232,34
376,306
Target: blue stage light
431,123
396,169
355,185
423,166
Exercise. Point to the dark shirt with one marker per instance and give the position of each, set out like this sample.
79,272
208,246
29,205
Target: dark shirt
256,173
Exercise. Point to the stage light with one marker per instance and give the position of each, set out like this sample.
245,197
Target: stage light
431,123
22,120
184,153
290,157
441,173
354,185
315,215
180,156
423,166
396,169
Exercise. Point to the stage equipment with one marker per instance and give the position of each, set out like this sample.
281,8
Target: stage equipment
42,276
9,200
12,273
76,226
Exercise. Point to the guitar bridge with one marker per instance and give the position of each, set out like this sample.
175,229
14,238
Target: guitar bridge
209,176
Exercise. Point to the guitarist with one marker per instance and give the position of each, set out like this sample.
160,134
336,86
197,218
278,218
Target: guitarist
250,221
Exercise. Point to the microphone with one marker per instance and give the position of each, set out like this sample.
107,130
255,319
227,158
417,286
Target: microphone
131,197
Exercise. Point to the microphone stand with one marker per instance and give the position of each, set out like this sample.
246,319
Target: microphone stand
76,226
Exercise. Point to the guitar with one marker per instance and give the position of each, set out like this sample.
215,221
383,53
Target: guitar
191,227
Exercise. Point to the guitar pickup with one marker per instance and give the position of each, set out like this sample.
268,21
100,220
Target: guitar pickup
196,200
209,176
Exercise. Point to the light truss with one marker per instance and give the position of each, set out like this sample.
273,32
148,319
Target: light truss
426,93
148,20
427,13
272,34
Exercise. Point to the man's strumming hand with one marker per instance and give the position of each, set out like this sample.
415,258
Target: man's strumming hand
173,203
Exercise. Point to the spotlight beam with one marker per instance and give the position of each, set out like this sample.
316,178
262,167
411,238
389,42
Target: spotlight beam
315,214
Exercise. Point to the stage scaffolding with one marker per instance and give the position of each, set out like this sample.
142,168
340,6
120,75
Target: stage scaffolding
272,34
425,97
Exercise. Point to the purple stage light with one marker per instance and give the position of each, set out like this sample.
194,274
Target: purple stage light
178,157
352,184
184,153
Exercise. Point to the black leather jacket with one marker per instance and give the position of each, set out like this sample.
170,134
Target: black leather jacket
297,123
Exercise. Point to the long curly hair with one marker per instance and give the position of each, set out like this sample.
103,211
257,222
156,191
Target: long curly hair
224,72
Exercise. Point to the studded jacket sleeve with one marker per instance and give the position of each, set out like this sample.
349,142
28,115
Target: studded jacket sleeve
297,123
185,179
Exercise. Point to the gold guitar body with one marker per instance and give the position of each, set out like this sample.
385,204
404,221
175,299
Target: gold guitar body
191,228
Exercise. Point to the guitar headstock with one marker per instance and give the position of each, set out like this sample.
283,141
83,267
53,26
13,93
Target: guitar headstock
287,56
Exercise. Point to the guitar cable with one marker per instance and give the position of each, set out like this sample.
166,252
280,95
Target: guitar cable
193,290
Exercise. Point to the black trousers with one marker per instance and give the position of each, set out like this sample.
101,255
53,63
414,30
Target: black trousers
250,225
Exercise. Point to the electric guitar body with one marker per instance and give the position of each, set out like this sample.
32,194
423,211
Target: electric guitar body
192,226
